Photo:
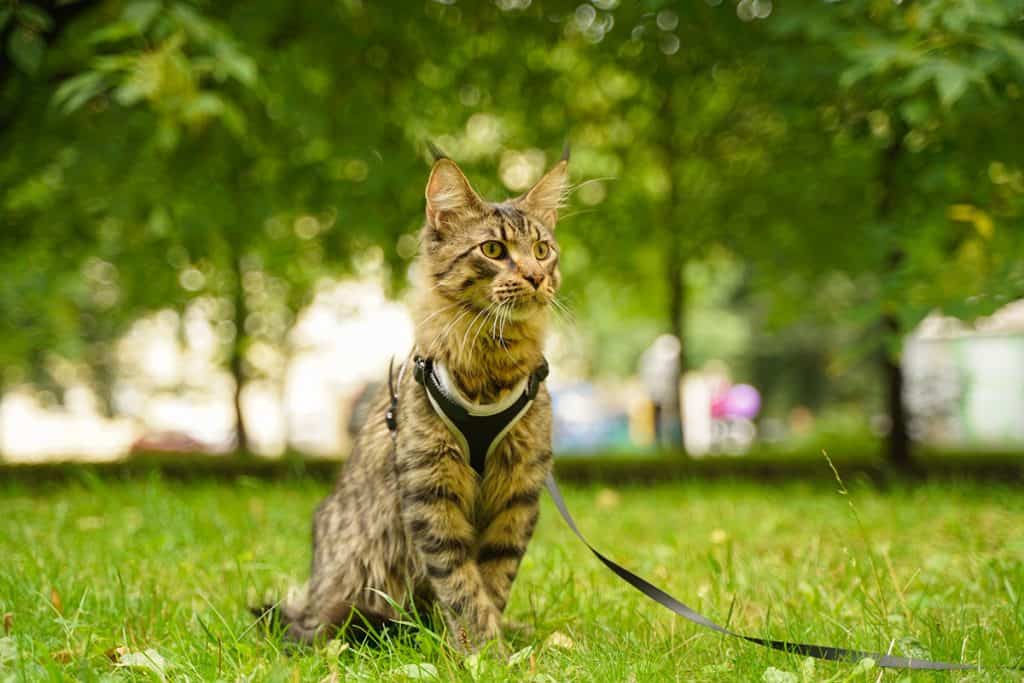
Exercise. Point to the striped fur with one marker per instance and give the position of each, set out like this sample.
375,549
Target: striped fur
409,518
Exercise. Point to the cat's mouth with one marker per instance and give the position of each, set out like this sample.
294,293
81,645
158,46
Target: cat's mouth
523,306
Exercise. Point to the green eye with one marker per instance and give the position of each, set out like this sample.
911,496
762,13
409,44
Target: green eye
541,250
493,249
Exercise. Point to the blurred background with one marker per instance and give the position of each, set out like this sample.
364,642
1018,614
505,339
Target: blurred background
794,225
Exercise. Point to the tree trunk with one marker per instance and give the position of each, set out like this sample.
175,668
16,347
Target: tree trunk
898,440
3,422
674,268
898,445
236,361
675,272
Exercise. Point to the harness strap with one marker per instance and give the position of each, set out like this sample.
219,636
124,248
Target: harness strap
478,433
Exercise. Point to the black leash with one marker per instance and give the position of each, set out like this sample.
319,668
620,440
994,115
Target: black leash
835,654
827,652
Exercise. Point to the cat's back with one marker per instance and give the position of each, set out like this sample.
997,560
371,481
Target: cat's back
369,463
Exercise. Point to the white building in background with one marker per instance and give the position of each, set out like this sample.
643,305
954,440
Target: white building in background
965,384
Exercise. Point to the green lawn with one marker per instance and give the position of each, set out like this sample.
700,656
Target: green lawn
164,566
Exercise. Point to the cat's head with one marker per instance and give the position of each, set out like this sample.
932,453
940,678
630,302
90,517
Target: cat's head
484,254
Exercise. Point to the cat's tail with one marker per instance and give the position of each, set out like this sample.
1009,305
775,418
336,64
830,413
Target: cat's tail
290,618
293,619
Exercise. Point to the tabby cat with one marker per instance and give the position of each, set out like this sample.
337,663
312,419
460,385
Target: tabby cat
409,521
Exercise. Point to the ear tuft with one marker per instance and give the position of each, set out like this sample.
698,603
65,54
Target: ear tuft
449,194
436,152
549,194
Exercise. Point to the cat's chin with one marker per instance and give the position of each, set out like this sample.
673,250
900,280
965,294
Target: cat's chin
525,309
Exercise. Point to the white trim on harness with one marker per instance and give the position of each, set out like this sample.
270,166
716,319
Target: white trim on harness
455,395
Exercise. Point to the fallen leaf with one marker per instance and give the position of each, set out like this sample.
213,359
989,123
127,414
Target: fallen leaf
473,665
334,648
56,601
8,650
421,672
62,656
114,654
148,660
866,664
333,651
523,655
773,675
559,639
8,623
607,498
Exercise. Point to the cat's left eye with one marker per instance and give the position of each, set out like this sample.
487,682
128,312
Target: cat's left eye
493,249
541,250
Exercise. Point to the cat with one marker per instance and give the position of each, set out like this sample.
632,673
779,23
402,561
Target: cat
410,522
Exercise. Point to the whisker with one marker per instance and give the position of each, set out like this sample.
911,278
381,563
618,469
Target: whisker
494,322
506,318
573,188
560,305
443,337
469,329
483,321
439,312
575,213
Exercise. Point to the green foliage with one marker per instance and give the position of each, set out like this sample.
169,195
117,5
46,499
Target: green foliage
829,161
933,87
25,24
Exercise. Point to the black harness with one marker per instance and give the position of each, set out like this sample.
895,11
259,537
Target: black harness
478,431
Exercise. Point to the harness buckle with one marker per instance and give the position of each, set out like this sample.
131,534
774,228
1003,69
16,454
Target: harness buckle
536,378
420,369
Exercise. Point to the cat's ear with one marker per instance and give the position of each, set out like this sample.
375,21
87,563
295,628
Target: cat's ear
450,197
549,194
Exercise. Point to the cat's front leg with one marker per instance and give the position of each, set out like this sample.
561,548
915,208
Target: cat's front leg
436,493
512,497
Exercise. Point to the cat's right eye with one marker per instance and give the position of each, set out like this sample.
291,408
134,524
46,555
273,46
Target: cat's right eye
493,249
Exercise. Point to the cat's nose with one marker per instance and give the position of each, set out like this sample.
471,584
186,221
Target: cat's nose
534,279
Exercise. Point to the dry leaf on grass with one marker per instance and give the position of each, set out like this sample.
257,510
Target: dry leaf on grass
8,623
62,656
148,660
607,499
773,675
524,655
419,672
334,648
8,650
559,639
114,654
55,600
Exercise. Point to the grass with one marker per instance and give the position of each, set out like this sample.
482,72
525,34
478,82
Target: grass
157,565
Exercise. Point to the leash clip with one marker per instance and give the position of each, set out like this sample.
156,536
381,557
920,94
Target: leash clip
390,417
536,378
